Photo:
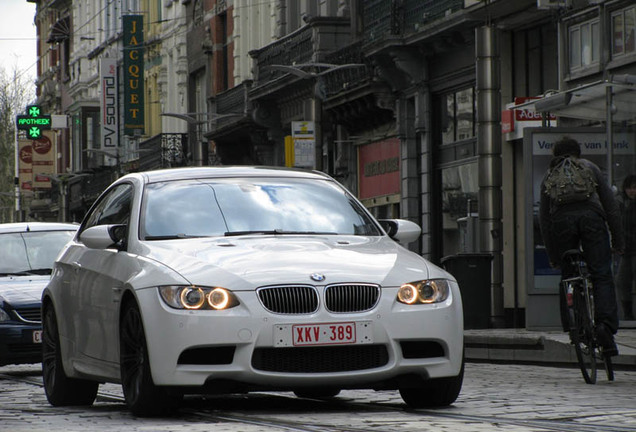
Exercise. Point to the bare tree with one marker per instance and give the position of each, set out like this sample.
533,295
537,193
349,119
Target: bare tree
16,92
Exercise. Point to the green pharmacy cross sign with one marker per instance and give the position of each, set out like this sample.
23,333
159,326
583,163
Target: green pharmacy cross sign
34,122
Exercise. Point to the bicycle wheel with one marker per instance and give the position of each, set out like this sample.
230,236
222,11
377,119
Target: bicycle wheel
582,336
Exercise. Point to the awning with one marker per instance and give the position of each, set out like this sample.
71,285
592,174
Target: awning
60,31
590,101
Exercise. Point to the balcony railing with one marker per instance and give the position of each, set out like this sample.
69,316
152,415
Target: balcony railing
294,48
347,78
309,44
231,100
405,16
164,150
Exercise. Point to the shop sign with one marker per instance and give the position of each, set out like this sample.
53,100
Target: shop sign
379,168
25,165
514,121
34,122
133,73
592,143
110,117
43,159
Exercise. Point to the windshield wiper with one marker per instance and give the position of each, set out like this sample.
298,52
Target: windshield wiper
276,232
171,237
40,271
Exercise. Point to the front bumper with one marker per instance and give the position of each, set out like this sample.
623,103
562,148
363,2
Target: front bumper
17,343
405,340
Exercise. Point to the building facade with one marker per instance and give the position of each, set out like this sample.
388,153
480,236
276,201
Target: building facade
441,112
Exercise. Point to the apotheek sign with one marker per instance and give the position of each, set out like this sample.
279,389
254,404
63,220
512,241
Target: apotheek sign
33,122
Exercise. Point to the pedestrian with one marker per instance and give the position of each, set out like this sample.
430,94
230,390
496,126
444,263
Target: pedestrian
627,266
582,220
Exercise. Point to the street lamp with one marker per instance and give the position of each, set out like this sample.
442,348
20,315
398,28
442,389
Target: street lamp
192,119
315,72
116,155
64,181
304,71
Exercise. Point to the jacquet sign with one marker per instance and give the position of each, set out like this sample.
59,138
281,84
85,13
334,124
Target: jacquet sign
133,74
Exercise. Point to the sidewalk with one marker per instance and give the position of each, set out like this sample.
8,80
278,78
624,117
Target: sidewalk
541,347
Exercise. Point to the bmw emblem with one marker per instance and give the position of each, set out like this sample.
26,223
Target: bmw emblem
317,277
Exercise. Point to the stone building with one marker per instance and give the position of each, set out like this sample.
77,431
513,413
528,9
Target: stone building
437,111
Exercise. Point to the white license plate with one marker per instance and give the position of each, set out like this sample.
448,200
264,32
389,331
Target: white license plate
336,333
37,336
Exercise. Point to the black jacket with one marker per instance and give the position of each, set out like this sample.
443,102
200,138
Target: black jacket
628,213
603,202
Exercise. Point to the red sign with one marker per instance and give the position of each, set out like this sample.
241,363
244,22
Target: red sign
379,168
526,115
26,154
42,145
507,121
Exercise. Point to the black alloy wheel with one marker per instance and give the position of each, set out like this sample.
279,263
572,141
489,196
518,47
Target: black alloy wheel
61,390
143,397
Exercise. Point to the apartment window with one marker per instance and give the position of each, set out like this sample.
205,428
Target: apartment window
584,44
623,29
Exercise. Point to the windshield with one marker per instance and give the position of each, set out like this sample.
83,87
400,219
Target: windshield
31,252
227,207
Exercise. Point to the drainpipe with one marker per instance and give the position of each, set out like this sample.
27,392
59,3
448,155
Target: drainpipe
489,165
609,131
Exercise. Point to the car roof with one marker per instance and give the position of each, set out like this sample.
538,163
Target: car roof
225,172
36,226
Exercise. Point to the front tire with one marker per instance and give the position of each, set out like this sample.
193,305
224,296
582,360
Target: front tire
143,397
582,337
436,392
61,390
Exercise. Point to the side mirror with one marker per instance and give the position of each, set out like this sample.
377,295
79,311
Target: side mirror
104,236
401,230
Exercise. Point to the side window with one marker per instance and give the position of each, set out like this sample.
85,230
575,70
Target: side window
113,208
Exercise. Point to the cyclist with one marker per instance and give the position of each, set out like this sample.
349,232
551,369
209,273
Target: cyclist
585,223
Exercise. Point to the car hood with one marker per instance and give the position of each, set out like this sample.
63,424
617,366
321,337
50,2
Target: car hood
22,289
266,260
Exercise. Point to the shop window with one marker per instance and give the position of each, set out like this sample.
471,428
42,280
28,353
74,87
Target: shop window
623,29
584,44
460,194
458,116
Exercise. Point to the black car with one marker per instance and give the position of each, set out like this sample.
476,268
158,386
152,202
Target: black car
27,255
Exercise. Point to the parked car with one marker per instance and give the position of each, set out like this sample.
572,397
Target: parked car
233,279
27,253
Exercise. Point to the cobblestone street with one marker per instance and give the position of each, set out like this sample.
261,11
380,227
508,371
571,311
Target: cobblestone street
494,397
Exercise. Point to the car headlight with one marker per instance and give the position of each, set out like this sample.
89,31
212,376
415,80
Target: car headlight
424,292
4,316
198,298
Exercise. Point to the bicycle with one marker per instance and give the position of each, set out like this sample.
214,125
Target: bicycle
579,298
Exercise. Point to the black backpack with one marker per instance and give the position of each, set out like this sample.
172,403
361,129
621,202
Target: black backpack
570,180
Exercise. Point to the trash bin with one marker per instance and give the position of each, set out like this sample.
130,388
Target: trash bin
472,272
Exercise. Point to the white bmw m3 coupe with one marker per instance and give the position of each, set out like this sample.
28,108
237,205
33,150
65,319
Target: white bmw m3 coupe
235,279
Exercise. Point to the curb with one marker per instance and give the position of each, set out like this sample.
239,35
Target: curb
525,347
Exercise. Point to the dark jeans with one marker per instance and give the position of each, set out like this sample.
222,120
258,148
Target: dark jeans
588,228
